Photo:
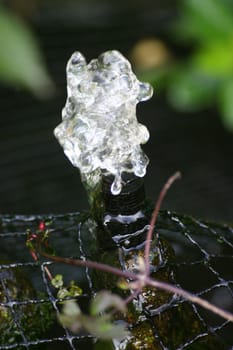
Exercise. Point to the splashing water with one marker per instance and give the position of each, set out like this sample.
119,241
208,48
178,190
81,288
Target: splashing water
100,133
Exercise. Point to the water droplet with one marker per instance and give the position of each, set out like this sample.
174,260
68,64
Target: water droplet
116,185
145,92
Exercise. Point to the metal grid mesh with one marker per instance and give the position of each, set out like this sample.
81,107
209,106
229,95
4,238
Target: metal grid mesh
204,256
13,238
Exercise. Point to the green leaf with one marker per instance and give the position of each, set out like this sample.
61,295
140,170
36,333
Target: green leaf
105,300
226,103
102,327
215,59
20,59
57,281
71,316
99,326
205,20
71,309
190,90
74,290
63,293
71,291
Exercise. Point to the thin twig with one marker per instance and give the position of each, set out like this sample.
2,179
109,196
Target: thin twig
147,281
92,265
132,296
47,271
142,279
189,296
162,194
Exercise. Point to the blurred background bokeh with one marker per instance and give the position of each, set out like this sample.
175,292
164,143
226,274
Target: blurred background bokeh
184,48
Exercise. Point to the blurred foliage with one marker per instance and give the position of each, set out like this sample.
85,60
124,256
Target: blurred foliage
21,62
205,76
100,320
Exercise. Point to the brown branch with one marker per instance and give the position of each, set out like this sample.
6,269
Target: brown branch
92,265
47,271
132,296
144,279
162,194
189,296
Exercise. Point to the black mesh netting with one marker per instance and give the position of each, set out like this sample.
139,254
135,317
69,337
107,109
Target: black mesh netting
203,264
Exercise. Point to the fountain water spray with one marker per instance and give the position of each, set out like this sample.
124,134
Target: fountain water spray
99,132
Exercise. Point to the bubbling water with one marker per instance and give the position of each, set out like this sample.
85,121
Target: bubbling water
99,132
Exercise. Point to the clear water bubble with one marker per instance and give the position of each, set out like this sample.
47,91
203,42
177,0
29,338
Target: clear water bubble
99,130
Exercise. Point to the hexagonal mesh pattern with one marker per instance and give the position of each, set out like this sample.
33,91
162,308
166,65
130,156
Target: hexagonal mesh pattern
203,265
